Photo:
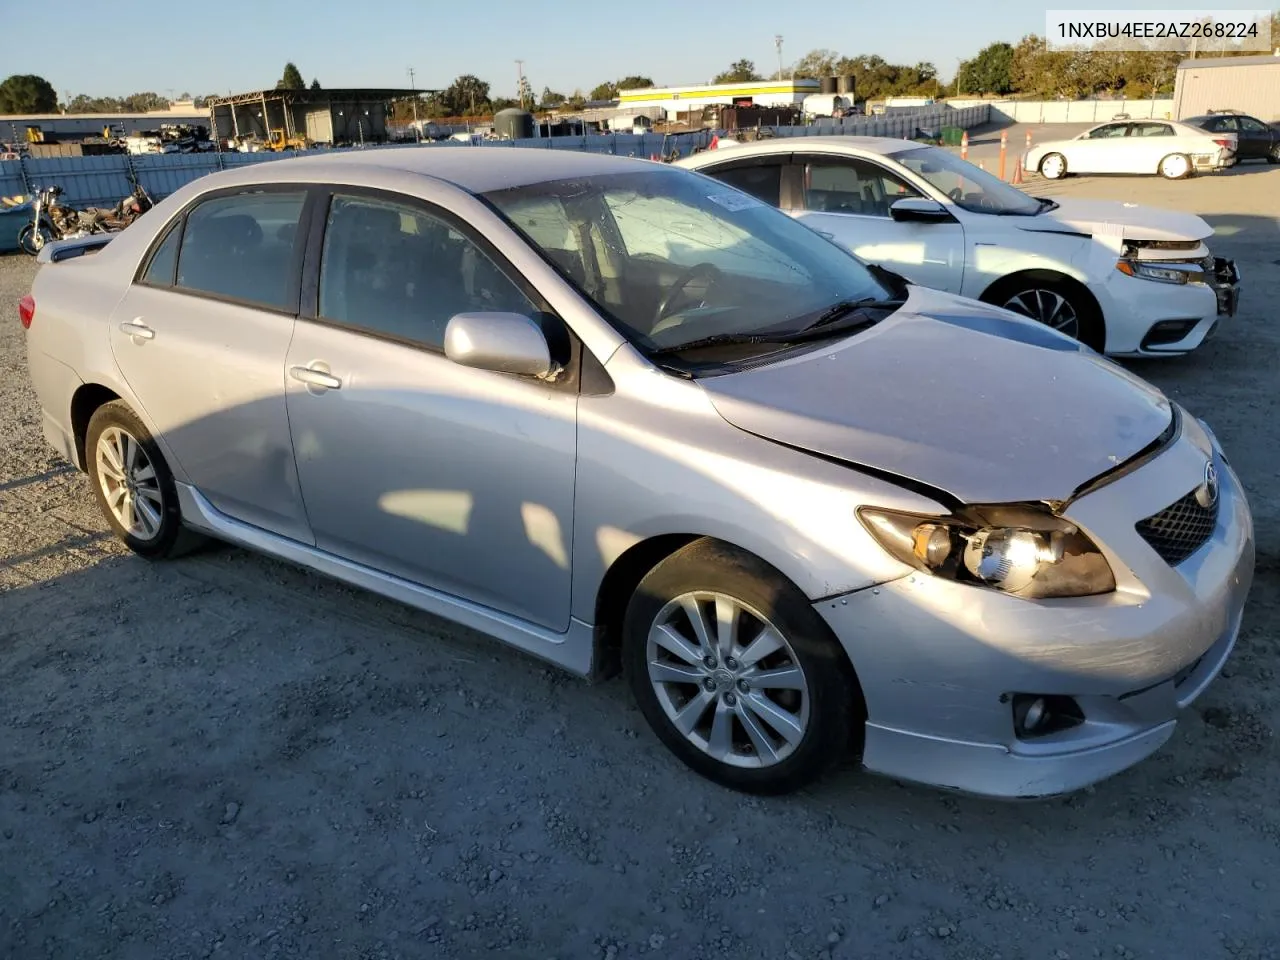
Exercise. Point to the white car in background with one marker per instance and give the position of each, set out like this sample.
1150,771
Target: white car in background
1125,279
1173,150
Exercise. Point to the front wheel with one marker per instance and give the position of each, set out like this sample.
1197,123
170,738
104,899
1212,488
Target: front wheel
1273,156
1055,302
737,674
1053,166
1176,166
31,240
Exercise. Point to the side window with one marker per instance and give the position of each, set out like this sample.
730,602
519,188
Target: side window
844,185
547,224
1224,125
762,181
241,247
394,269
164,260
1151,130
1110,130
1250,125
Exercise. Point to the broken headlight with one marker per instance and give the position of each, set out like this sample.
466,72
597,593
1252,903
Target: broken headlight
1024,551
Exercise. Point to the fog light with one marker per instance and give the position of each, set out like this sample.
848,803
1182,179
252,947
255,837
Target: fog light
1039,716
1168,331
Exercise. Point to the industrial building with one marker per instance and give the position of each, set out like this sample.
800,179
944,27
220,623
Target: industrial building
339,116
1248,84
763,93
74,126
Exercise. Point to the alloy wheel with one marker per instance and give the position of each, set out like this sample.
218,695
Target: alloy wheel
1050,308
1174,167
728,680
1053,166
129,483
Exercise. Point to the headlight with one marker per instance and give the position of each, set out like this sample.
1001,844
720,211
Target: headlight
1020,550
1161,273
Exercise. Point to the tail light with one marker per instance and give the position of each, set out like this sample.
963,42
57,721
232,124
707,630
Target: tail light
1225,142
27,311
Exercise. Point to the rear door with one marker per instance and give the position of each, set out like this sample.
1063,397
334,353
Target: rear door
1150,142
1256,139
201,338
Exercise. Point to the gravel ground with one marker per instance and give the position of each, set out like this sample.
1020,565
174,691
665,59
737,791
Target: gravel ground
226,756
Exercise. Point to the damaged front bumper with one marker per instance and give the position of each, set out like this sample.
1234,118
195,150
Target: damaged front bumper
1225,284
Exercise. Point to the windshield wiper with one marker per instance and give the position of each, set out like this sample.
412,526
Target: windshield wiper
839,311
824,326
1046,204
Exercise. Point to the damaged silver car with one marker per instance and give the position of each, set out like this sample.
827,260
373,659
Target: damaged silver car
612,412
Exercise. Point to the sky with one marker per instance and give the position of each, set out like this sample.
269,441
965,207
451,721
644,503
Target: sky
131,46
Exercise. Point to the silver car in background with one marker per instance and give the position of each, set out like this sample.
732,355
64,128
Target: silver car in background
609,411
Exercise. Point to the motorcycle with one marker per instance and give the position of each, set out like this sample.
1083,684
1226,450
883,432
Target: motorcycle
51,220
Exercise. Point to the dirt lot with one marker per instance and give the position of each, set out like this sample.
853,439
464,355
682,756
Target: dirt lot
224,756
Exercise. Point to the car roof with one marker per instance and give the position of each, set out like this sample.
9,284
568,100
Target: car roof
876,145
476,169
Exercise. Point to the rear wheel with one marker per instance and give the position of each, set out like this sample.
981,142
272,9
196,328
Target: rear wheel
133,484
736,673
1273,156
1176,166
1053,166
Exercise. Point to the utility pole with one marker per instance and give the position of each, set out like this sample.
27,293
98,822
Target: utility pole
417,129
520,82
777,43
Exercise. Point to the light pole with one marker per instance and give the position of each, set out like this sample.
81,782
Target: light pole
777,43
417,129
520,82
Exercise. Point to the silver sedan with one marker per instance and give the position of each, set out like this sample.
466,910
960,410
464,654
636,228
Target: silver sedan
616,413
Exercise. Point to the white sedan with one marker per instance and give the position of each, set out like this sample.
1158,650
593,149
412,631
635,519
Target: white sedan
1127,280
1173,150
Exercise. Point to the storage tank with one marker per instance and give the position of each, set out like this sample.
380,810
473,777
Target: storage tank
513,124
830,85
846,86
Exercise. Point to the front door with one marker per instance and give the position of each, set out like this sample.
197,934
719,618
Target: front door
847,199
1256,139
201,339
457,479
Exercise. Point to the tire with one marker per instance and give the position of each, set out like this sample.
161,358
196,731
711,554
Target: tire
116,438
32,242
1053,166
1037,296
1273,155
730,742
1176,166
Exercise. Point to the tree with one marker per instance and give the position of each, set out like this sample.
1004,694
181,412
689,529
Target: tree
27,93
609,89
524,94
315,84
466,96
740,71
990,70
292,79
550,99
143,103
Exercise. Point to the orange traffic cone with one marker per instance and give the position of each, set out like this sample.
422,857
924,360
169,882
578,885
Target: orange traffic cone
1017,173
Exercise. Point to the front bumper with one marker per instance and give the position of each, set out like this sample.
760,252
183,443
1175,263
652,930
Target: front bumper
1134,309
938,660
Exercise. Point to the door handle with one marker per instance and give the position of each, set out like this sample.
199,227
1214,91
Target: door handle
314,377
138,330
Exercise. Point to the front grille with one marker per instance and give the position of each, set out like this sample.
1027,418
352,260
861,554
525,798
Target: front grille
1180,529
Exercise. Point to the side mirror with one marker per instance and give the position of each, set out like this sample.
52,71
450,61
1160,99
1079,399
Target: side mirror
503,342
918,210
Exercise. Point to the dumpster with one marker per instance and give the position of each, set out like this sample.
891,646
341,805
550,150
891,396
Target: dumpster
951,136
15,213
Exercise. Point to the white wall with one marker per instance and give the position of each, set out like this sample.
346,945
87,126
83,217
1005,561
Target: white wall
1072,111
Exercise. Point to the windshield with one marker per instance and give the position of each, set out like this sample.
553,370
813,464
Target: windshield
673,257
969,187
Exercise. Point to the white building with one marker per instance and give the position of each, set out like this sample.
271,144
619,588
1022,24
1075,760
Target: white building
757,93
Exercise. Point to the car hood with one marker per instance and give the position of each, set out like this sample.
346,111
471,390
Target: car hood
1130,221
963,397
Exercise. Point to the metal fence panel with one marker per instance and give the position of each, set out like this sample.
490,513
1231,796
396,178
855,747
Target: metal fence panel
85,181
162,175
12,183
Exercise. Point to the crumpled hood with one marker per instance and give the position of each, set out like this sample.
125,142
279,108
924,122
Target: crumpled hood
974,400
1130,221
